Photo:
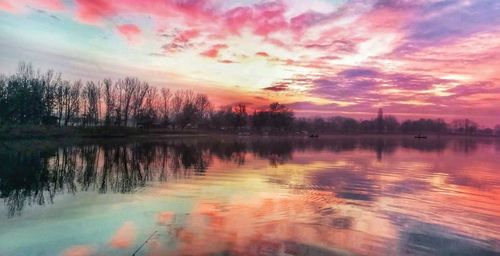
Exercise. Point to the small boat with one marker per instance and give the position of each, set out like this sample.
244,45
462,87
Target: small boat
313,136
420,137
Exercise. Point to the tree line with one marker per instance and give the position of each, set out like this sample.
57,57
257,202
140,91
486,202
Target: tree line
33,97
30,97
390,125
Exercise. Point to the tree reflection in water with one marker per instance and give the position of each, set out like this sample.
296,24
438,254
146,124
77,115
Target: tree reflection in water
34,176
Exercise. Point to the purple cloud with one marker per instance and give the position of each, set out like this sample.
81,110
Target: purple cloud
359,72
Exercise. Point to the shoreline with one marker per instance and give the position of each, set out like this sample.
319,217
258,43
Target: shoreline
9,133
17,133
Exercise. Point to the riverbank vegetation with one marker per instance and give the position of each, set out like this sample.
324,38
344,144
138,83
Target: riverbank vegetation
42,104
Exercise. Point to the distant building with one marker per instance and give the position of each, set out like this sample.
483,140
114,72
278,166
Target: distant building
380,120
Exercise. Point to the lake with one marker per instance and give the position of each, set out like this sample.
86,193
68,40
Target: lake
251,196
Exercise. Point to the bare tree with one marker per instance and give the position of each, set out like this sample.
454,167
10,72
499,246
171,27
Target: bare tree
3,99
119,98
91,97
71,101
202,105
140,93
189,108
177,106
165,107
189,113
240,115
50,82
147,114
151,101
127,88
108,91
59,103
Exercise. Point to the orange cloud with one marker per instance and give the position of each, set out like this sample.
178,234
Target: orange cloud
262,54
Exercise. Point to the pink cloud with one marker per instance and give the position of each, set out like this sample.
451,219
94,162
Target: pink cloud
93,11
277,42
214,51
181,41
263,18
124,236
6,6
129,31
304,21
187,35
16,6
193,9
237,18
54,5
386,20
269,18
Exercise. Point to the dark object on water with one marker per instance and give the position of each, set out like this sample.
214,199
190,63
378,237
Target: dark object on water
313,136
420,137
145,242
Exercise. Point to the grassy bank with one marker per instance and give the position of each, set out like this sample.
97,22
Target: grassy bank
15,132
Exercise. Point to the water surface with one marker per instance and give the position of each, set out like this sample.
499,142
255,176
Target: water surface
251,196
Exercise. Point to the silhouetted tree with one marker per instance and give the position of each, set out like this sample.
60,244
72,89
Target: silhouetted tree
108,92
91,96
165,106
127,88
464,126
349,125
391,124
138,98
367,126
423,125
147,114
240,115
72,102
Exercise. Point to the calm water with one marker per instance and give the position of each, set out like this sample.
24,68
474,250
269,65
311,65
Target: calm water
244,196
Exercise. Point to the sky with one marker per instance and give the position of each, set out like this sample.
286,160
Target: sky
413,58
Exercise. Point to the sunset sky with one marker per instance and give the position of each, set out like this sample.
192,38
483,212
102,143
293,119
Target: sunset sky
414,58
